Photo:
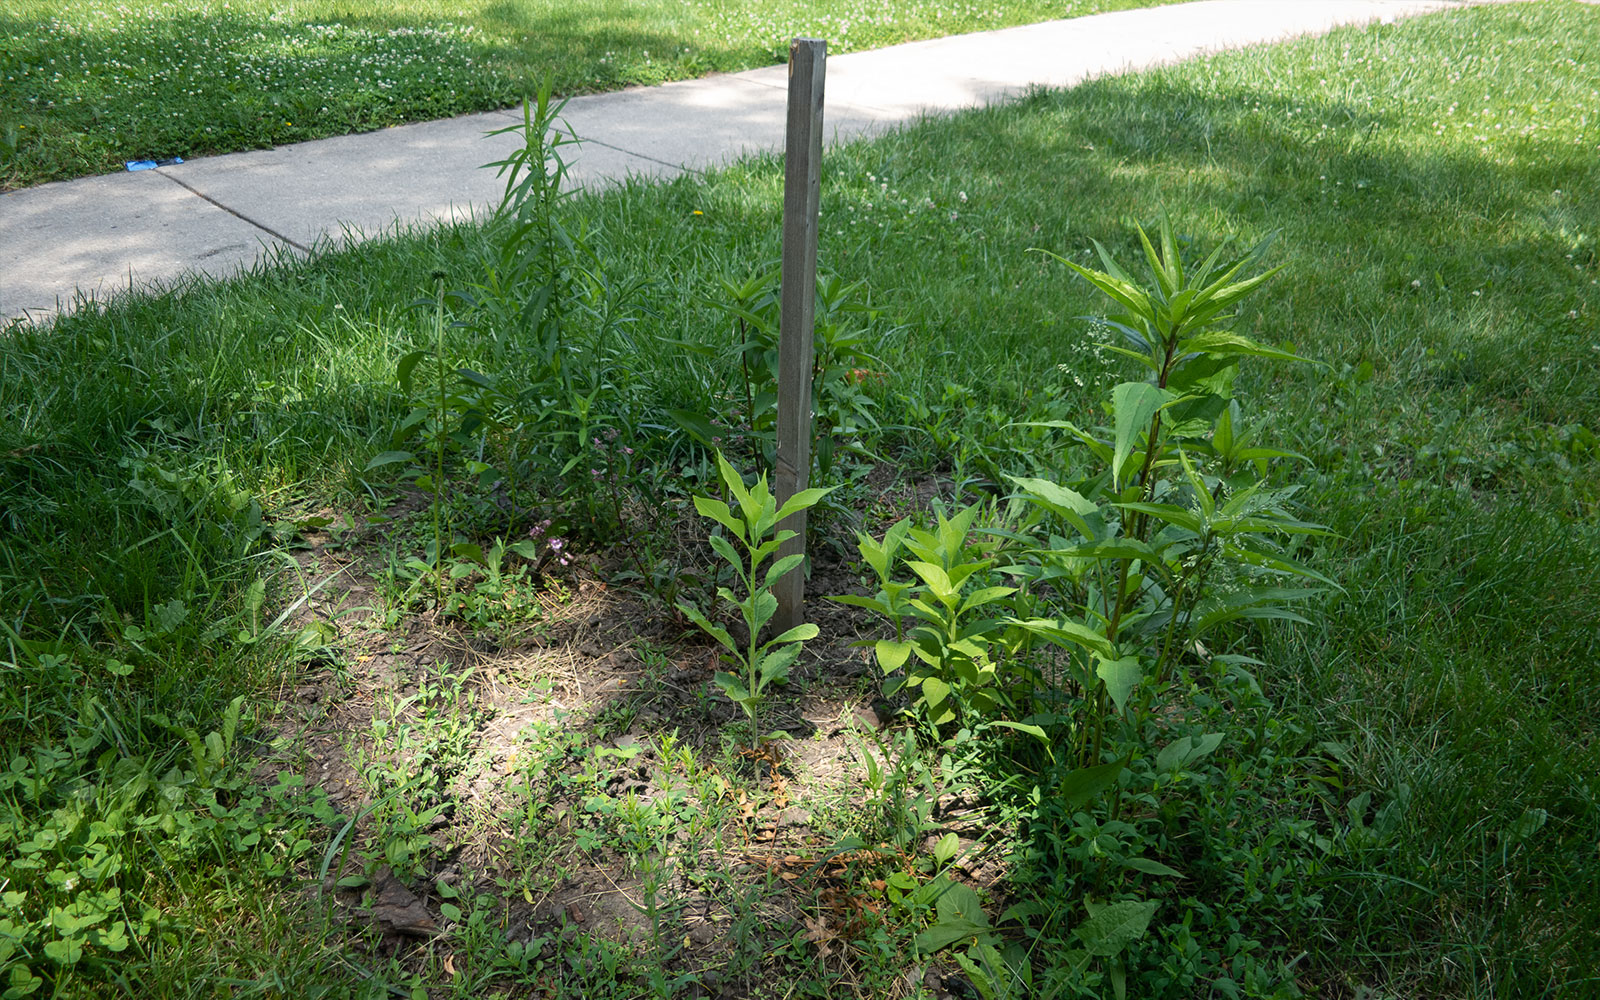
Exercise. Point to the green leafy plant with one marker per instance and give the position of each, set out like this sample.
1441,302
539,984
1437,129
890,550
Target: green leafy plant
843,368
948,658
1066,612
490,593
752,522
537,376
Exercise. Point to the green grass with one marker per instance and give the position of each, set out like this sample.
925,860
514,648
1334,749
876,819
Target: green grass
1431,187
86,85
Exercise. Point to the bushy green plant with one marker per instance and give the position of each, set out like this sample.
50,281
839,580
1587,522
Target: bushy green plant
1068,613
843,367
537,377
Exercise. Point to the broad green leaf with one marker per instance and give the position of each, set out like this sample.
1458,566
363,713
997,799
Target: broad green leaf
1069,505
1134,404
1116,926
405,366
719,512
716,632
1023,727
784,565
892,655
1169,253
1225,296
732,687
1183,517
755,503
948,932
383,458
469,550
1151,867
1113,282
935,577
771,545
1064,633
1223,438
800,633
857,601
1187,750
114,938
773,667
1080,787
959,574
524,548
1222,343
316,635
803,500
1529,823
1252,454
759,610
935,691
878,555
725,549
946,849
985,595
1166,278
958,901
695,425
64,951
1121,676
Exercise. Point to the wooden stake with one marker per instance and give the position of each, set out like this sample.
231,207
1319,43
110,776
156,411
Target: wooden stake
802,197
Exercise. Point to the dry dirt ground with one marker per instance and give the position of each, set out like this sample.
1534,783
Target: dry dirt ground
576,780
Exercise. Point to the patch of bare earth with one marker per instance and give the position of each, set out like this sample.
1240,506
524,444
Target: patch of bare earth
536,740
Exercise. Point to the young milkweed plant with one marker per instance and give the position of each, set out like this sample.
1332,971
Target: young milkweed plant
1075,610
752,521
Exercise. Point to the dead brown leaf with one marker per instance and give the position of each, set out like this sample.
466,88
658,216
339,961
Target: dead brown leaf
819,934
398,909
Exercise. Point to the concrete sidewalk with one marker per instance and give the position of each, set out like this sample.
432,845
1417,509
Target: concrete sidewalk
97,235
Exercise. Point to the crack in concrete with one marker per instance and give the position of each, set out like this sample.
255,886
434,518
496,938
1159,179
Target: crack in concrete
233,212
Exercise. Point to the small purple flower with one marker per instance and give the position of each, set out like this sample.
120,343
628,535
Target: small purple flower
595,473
597,443
626,450
611,433
557,544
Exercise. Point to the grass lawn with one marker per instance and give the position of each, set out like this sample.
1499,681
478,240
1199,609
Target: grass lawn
256,746
86,85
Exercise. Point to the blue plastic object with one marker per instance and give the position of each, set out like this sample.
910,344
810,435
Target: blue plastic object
152,164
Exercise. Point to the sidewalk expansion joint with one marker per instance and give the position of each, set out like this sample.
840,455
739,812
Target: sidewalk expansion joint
236,214
581,141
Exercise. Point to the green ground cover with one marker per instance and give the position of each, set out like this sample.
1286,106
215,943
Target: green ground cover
1407,808
86,85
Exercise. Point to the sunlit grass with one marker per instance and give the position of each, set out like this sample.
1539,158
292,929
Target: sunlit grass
87,84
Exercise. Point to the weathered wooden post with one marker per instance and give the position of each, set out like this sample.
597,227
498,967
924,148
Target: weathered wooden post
802,196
